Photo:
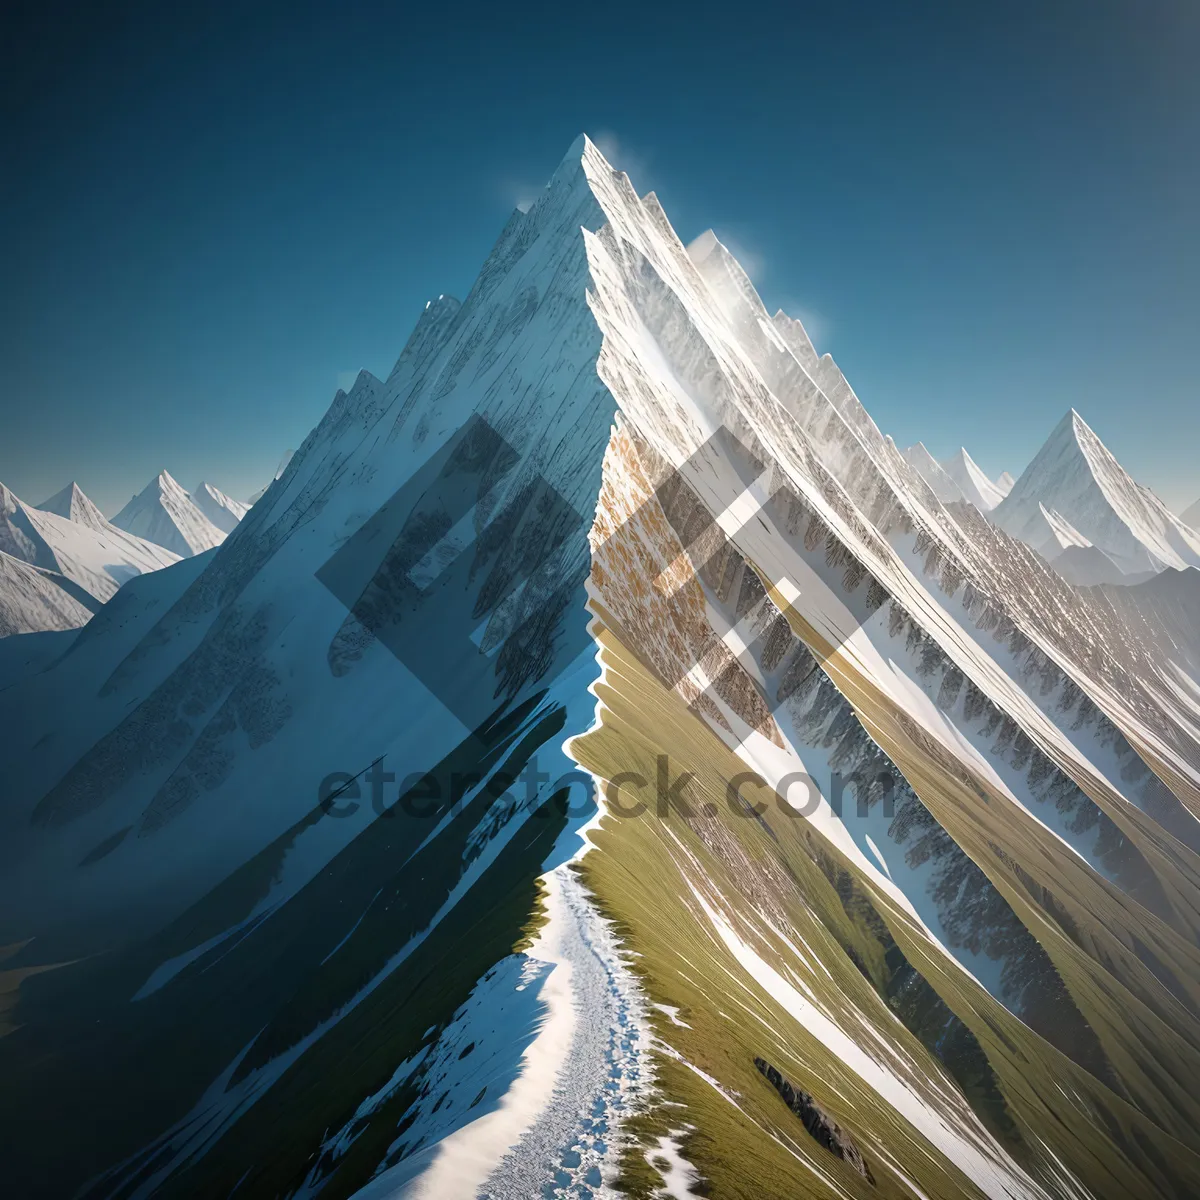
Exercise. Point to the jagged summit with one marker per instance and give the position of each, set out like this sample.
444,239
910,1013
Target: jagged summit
1074,474
164,513
74,504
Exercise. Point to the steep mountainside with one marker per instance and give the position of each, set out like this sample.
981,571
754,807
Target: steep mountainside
1075,475
602,761
163,513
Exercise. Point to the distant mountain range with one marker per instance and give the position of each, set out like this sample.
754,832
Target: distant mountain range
62,559
78,561
1075,505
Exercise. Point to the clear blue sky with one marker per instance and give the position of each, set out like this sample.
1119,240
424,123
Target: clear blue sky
989,213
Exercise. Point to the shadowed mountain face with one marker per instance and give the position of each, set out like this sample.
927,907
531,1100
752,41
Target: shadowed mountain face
891,882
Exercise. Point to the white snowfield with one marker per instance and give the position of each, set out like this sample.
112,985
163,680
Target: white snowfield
163,513
193,719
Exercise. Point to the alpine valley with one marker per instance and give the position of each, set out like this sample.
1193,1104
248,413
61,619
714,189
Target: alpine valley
603,763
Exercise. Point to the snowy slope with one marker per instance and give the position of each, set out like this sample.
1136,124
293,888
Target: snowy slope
1075,475
163,513
33,600
223,511
972,482
678,543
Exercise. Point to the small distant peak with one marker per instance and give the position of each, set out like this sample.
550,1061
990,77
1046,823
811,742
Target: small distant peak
73,504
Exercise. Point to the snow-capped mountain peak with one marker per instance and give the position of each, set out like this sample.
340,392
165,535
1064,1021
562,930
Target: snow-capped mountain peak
164,513
1005,483
972,482
1075,475
74,504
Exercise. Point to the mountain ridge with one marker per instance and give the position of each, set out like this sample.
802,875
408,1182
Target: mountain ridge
610,520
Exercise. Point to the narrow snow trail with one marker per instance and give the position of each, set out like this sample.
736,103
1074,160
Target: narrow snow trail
552,1133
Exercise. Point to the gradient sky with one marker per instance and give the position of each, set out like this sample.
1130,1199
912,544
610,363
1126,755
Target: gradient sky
209,220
